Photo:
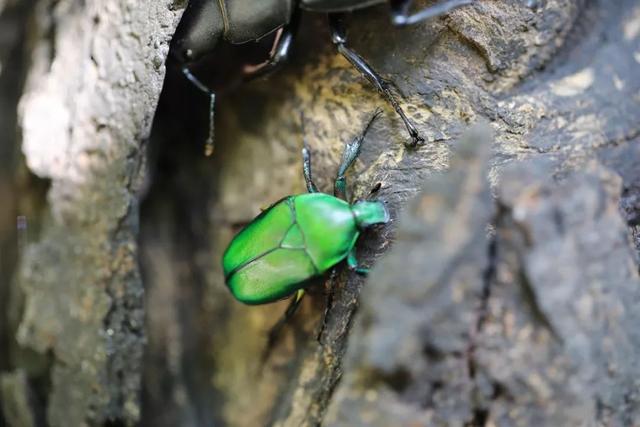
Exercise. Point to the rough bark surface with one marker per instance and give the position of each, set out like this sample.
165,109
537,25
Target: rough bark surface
507,298
96,72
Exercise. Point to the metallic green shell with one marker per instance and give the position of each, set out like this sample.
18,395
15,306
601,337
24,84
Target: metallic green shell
296,239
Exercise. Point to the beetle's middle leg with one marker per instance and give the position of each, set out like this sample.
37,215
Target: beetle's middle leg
306,160
274,333
339,38
306,169
349,155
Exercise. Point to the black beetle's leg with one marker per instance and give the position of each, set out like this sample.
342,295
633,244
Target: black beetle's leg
349,155
339,38
209,144
274,333
400,11
278,54
352,262
280,50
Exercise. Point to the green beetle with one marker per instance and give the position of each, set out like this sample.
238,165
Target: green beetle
299,238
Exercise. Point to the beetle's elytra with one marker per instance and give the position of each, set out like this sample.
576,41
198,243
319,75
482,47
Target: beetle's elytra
206,23
299,237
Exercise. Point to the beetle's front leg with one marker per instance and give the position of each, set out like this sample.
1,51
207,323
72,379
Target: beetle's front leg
198,33
349,155
400,15
339,38
209,144
306,168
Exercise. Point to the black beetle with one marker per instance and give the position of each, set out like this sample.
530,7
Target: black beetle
206,23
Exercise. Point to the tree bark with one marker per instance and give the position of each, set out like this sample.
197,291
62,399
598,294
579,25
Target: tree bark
503,292
96,71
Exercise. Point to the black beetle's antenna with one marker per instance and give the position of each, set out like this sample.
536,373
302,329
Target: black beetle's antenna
209,144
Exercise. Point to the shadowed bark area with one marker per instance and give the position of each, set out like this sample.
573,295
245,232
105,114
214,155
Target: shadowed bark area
95,74
503,290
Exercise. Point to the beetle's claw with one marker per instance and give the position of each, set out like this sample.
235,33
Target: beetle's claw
208,148
415,140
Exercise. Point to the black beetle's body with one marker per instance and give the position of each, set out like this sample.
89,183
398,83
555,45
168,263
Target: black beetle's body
206,23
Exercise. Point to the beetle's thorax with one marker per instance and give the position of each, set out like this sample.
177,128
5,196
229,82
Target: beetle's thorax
369,213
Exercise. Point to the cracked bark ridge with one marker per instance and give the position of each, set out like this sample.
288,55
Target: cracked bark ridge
409,357
96,73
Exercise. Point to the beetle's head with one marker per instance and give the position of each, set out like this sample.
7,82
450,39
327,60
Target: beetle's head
368,213
198,32
188,49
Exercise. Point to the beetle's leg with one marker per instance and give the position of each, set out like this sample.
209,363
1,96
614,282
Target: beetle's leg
349,155
352,262
274,333
306,159
306,168
401,16
280,50
339,38
199,31
209,144
279,54
328,305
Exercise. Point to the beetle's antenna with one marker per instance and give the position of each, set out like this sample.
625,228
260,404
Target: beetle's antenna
209,144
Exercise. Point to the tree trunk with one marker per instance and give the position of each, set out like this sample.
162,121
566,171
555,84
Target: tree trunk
503,292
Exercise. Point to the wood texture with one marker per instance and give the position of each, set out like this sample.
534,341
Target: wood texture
503,291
